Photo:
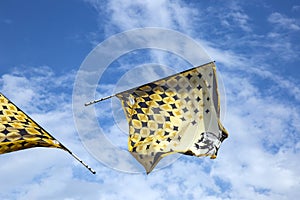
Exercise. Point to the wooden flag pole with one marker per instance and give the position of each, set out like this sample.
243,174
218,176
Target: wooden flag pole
96,101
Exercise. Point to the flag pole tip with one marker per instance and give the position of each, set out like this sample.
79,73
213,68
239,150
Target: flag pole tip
93,172
77,158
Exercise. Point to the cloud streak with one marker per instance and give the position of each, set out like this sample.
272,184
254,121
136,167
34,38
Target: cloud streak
284,22
257,161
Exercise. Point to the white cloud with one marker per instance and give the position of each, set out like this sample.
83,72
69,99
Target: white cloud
296,8
252,163
255,122
232,16
244,165
229,60
258,160
35,85
41,94
283,21
238,17
125,15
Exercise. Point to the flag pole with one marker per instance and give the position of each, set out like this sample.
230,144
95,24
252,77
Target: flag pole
102,99
98,100
85,165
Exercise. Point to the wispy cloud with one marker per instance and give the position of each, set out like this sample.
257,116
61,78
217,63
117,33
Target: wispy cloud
284,22
35,84
46,97
258,121
6,21
256,162
296,8
234,16
124,15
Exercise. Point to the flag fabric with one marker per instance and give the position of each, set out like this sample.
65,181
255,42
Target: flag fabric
176,114
18,131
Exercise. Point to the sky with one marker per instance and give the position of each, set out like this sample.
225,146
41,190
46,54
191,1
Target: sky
45,45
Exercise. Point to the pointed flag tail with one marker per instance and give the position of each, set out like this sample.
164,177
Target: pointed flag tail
18,131
176,114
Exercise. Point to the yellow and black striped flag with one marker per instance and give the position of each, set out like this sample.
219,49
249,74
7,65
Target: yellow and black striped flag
18,131
177,114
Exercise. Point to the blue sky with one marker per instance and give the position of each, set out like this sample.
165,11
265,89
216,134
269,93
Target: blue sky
256,46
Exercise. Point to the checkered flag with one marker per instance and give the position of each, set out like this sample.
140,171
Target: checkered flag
18,131
177,114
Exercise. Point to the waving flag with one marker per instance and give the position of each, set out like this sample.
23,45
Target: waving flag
177,114
18,131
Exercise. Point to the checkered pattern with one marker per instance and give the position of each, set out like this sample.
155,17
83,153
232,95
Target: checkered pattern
179,113
18,131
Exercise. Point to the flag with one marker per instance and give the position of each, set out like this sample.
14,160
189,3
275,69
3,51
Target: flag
176,114
18,131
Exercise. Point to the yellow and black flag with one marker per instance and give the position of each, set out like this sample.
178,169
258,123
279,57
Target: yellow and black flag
176,114
18,131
